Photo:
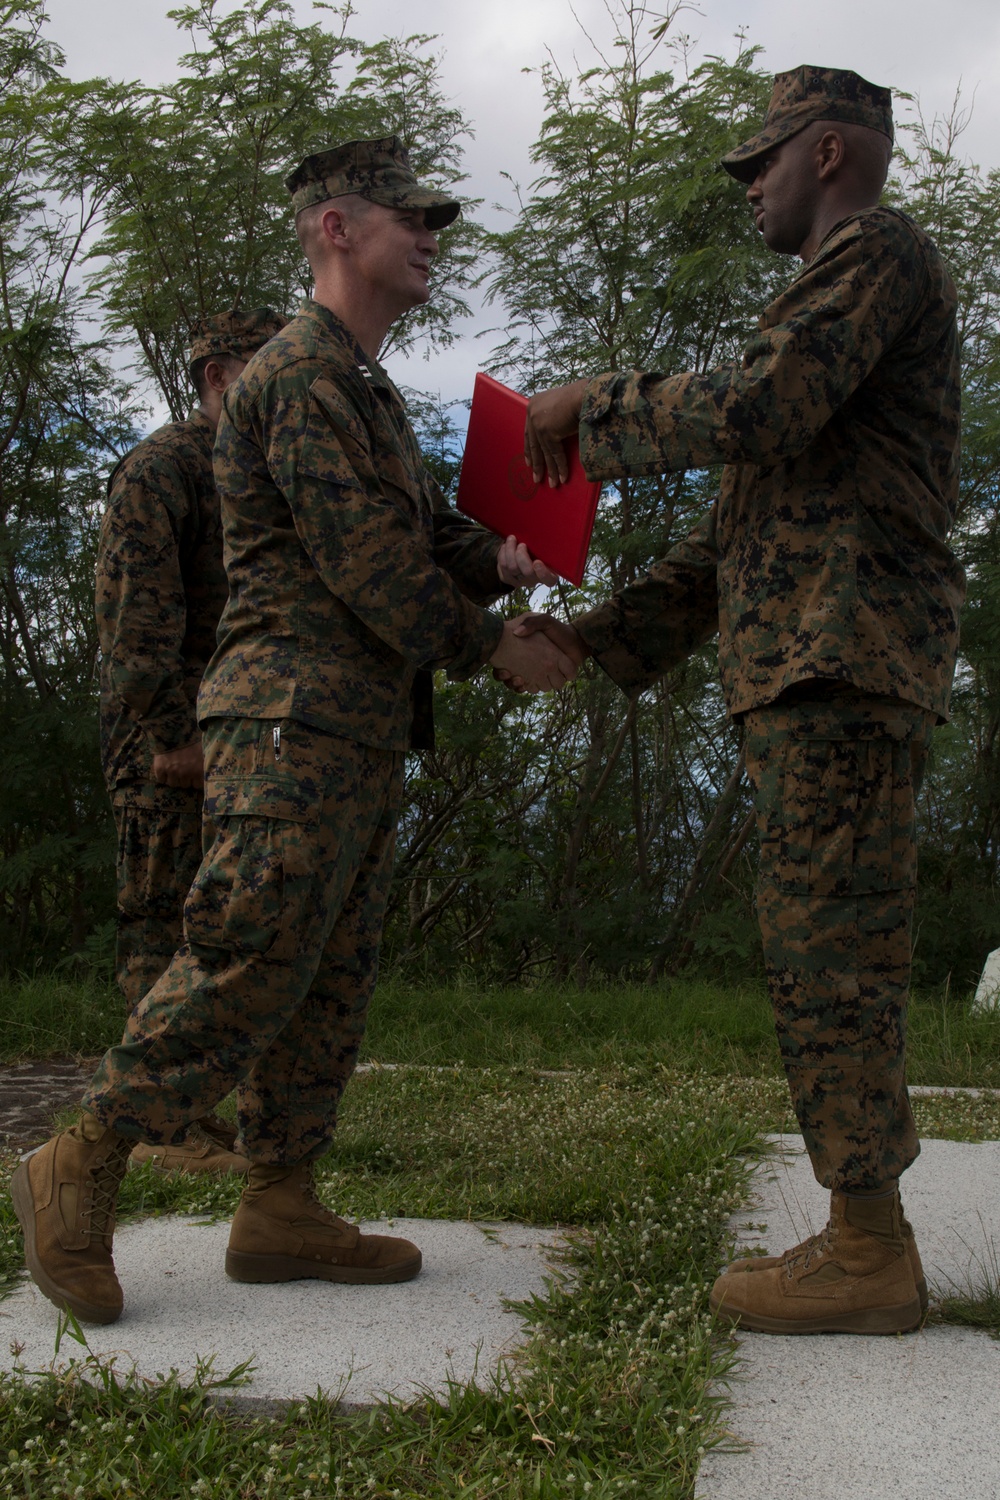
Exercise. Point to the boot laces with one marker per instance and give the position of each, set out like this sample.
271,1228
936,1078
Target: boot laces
312,1197
107,1175
803,1255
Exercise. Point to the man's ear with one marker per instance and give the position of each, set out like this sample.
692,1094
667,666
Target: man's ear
334,226
216,375
831,152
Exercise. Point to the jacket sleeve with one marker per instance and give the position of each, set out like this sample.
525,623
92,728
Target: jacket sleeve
140,601
653,624
465,550
814,346
357,517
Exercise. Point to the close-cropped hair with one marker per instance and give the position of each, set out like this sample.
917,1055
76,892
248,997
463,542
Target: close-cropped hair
309,221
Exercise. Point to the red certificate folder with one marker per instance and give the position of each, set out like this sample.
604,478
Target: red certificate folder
497,488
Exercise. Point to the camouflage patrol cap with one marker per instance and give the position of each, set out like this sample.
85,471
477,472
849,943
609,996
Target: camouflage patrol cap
236,332
806,94
377,170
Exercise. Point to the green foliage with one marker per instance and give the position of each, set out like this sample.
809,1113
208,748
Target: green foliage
197,217
630,249
57,1014
958,918
64,417
572,837
691,1024
613,1394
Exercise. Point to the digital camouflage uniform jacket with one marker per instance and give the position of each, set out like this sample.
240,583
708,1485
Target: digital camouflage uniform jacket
825,555
161,587
348,571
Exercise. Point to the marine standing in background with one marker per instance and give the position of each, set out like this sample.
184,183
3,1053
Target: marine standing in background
825,569
350,580
161,589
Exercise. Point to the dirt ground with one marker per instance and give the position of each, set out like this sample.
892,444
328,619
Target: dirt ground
32,1092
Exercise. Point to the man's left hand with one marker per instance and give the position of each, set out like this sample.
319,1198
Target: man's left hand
553,416
518,569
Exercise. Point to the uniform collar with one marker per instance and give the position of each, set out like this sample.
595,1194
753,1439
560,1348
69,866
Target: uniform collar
371,370
196,415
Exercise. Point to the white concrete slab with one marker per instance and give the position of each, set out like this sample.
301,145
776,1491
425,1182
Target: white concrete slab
842,1417
354,1343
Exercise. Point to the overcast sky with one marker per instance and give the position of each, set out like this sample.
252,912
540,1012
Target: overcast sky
929,48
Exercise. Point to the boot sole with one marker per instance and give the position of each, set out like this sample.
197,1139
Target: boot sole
875,1320
240,1266
24,1207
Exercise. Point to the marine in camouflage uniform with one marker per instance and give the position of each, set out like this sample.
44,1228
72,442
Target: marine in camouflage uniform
825,569
160,591
350,580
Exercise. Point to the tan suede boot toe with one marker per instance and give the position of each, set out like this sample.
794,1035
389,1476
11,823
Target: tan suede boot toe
282,1232
845,1280
64,1195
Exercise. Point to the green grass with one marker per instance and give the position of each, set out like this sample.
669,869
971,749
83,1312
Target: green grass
627,1114
683,1023
977,1303
45,1015
612,1394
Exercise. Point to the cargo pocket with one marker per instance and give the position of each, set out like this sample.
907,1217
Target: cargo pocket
846,817
159,850
251,895
815,844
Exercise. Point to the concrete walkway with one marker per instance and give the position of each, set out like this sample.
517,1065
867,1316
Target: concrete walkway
847,1418
354,1343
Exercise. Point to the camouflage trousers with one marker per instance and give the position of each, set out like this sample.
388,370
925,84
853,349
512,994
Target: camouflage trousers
159,851
269,990
836,781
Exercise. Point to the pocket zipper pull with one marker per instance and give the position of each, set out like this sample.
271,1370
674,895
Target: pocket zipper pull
276,737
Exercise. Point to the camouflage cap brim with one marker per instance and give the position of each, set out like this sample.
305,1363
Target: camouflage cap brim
743,162
439,209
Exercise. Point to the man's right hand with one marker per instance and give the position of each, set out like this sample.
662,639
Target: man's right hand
180,768
561,634
532,659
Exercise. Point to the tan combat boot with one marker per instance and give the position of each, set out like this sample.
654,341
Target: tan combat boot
854,1277
281,1232
64,1195
206,1149
765,1262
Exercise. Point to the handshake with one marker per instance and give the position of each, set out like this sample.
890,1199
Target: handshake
537,652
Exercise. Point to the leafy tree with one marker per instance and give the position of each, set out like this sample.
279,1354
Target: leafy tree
197,217
958,911
63,418
633,249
